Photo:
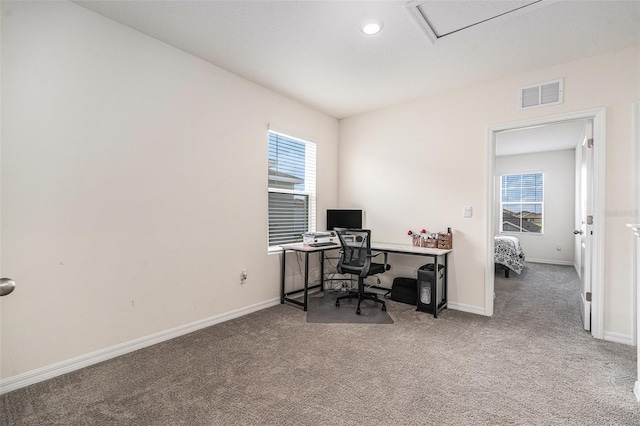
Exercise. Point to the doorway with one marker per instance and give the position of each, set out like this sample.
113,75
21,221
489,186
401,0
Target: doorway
598,118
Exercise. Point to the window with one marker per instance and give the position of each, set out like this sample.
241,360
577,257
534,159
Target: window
292,188
522,203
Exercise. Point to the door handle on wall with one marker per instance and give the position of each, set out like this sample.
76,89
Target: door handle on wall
578,232
7,285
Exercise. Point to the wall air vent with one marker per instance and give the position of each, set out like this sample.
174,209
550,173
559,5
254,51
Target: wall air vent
541,94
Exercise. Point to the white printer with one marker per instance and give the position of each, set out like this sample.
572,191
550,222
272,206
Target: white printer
320,237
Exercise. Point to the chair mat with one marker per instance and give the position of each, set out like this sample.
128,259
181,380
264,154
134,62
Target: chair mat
322,309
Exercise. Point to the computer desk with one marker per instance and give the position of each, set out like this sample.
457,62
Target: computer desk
306,249
404,249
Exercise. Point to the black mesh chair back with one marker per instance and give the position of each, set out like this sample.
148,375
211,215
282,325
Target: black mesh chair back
356,250
356,259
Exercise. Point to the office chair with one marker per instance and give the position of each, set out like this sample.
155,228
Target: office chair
355,259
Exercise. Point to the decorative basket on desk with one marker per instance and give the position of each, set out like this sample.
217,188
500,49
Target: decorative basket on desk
441,240
418,241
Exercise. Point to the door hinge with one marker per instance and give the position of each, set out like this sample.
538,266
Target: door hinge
590,220
588,296
590,143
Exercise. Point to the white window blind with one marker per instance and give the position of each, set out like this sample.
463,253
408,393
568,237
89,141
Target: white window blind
522,203
292,188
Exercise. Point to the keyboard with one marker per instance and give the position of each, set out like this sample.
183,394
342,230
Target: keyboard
321,244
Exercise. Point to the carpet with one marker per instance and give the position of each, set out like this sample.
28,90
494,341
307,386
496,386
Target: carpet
529,364
322,309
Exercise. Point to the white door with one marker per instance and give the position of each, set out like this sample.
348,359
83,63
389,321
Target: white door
585,232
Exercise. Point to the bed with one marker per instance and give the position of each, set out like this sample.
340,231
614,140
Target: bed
508,254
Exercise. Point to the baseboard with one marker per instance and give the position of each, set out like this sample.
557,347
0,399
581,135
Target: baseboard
551,262
636,391
611,336
466,308
67,366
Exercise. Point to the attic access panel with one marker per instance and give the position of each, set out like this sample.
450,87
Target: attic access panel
441,18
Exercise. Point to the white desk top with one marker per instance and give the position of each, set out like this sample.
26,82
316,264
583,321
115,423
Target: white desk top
388,247
305,247
408,249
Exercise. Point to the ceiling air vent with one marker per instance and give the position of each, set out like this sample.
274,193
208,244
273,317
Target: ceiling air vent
541,94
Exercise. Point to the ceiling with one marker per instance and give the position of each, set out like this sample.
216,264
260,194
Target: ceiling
313,51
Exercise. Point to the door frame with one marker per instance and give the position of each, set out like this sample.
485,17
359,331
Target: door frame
598,115
585,254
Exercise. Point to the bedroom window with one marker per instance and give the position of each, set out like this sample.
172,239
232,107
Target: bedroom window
522,203
292,188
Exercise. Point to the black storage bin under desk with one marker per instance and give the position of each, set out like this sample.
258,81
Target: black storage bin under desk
405,290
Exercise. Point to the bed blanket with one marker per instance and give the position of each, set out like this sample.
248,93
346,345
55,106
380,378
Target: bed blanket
509,253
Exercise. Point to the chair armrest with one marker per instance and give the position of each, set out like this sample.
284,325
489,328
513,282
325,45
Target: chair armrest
386,255
376,254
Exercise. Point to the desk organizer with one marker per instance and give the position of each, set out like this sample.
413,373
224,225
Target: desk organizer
441,240
445,240
431,241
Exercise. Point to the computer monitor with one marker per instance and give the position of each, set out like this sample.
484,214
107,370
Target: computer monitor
344,218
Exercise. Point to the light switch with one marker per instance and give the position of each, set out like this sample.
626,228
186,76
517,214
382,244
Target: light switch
468,211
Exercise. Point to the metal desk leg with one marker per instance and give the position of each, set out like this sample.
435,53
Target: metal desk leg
444,282
321,270
306,279
282,263
434,288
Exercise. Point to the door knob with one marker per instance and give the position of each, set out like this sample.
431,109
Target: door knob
578,232
7,285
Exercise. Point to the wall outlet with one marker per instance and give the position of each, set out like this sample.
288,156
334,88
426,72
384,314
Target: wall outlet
244,274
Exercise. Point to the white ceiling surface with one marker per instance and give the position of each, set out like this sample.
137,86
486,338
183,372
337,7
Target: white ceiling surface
550,137
313,51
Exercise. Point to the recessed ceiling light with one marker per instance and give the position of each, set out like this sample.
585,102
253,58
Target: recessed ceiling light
371,26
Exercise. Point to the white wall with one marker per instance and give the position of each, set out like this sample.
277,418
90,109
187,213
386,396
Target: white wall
636,241
134,185
418,164
559,203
